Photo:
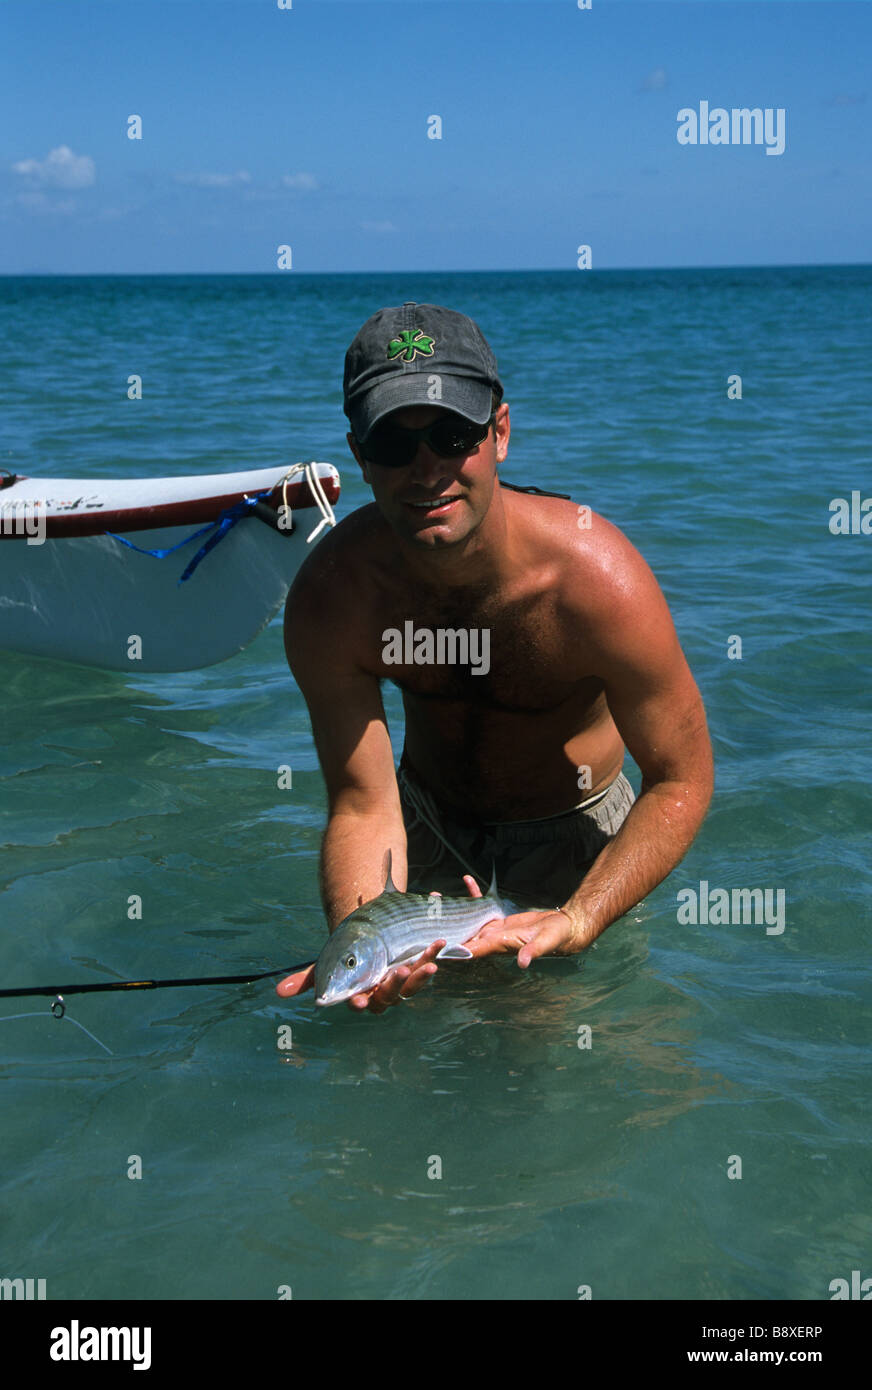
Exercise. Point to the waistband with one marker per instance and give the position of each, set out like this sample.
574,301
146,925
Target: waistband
462,818
586,805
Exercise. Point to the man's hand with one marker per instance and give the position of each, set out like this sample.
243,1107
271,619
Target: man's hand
400,984
296,984
538,932
397,986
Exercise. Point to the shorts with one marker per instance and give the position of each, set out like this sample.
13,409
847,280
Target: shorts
539,863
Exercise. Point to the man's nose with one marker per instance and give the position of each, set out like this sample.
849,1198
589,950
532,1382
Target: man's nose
428,468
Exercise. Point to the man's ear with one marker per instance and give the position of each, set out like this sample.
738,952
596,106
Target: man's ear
355,449
502,430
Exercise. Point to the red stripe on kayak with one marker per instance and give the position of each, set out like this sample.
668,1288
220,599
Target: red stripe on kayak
194,511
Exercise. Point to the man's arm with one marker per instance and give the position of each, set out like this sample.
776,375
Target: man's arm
657,708
323,640
322,635
659,713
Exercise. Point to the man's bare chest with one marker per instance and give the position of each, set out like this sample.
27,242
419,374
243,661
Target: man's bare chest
506,655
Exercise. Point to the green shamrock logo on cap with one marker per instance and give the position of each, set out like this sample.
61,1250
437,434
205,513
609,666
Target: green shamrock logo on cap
409,344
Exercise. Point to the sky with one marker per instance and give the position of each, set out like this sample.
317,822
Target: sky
312,127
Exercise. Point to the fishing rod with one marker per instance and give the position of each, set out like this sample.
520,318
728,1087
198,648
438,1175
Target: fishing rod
59,1009
105,986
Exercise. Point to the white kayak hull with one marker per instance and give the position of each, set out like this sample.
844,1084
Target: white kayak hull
81,595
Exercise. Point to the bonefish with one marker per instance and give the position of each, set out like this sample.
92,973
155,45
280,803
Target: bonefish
396,927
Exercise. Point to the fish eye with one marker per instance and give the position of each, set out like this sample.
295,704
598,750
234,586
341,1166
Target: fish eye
350,962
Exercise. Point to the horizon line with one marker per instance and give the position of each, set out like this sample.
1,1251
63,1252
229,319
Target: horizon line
490,270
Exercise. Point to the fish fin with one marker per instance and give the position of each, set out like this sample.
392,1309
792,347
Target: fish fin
390,886
455,953
492,890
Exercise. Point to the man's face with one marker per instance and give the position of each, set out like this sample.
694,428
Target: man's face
435,501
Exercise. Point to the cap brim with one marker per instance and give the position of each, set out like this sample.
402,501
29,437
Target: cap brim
461,394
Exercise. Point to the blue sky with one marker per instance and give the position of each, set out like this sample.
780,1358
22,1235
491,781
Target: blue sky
308,127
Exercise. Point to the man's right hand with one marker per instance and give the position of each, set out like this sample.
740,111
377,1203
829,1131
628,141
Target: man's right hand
400,984
396,987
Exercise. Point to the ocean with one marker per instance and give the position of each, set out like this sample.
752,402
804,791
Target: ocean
712,1141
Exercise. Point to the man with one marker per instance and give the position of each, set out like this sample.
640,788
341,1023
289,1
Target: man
512,756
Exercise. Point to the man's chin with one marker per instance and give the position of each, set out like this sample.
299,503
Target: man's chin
445,525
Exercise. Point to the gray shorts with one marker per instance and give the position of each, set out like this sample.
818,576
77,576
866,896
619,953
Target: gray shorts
539,863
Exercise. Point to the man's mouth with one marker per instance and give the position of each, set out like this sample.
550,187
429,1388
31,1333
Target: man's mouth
434,504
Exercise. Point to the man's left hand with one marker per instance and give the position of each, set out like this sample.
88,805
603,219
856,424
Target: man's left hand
539,932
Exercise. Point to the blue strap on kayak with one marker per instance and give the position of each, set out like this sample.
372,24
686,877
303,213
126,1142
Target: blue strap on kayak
221,525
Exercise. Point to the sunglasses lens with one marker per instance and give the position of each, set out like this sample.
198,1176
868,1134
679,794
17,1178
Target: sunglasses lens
451,438
390,446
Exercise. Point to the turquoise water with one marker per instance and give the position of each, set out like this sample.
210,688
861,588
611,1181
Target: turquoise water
308,1167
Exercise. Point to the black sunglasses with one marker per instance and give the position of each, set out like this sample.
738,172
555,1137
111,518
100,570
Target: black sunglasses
391,446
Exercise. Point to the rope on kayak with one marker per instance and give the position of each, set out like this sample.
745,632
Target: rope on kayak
220,526
328,517
227,519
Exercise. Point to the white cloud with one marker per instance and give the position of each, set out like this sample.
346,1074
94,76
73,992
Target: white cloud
242,178
304,181
214,180
60,169
40,202
655,81
377,227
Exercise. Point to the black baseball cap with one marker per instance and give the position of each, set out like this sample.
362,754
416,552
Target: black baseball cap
398,352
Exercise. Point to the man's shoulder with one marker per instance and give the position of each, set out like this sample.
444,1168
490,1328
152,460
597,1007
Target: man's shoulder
597,577
345,547
334,581
581,542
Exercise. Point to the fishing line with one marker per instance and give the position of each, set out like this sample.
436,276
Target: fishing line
61,1013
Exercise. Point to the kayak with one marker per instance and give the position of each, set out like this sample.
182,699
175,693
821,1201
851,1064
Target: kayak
154,574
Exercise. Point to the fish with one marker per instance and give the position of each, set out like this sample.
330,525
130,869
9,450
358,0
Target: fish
396,927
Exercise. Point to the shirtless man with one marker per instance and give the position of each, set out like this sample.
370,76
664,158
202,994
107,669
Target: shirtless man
515,760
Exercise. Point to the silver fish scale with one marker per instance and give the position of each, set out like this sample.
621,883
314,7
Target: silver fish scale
408,927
